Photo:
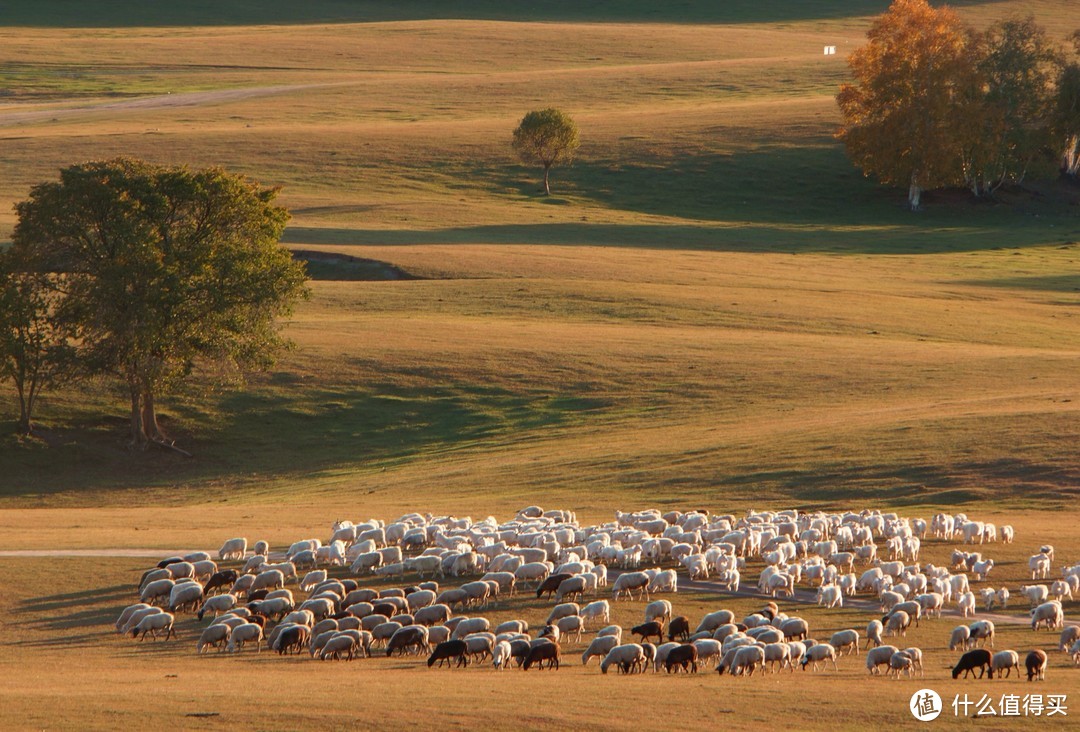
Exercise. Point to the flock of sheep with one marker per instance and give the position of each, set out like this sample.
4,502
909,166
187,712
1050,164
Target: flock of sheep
549,553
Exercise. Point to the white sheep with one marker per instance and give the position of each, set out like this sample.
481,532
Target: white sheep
628,582
598,610
658,609
233,549
599,647
1049,614
966,605
830,596
627,658
571,625
1036,594
1069,636
217,604
126,614
843,640
245,633
215,635
874,630
1039,565
879,656
982,630
1007,661
185,596
152,624
960,638
819,653
501,655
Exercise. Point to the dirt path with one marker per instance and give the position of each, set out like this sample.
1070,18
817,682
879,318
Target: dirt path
163,101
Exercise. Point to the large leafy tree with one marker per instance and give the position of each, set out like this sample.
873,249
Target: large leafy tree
35,350
1067,113
904,116
548,137
164,269
1012,112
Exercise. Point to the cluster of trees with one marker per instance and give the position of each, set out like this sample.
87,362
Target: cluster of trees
142,273
936,103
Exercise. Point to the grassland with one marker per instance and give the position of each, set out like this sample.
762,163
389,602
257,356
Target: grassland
713,310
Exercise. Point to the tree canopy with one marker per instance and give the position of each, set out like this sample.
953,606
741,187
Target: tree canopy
905,113
162,269
546,136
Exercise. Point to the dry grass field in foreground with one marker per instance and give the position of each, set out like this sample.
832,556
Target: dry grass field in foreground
66,667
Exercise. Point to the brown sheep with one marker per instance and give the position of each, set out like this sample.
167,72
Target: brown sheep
679,628
684,656
448,650
648,630
540,652
551,585
1036,665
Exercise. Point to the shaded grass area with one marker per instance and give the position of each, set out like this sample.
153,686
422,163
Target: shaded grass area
775,197
280,427
127,13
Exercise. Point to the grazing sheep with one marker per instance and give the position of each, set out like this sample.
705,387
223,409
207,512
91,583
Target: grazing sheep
896,623
571,625
982,630
597,610
1069,636
156,590
213,636
627,658
564,610
185,596
794,628
220,580
819,653
679,628
960,638
1048,614
714,620
780,655
539,652
684,656
245,633
1036,665
599,647
648,630
570,587
879,656
127,613
152,624
217,604
743,660
843,640
410,637
233,549
658,610
628,582
900,661
501,655
874,630
980,659
1007,661
338,644
830,596
469,626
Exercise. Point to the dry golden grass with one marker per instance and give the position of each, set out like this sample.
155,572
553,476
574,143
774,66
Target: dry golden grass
714,311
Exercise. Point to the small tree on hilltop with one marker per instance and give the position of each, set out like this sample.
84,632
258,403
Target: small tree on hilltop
546,136
164,269
906,114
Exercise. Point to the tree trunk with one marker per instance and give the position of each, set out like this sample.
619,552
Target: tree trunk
914,195
151,430
26,409
547,188
138,434
1070,159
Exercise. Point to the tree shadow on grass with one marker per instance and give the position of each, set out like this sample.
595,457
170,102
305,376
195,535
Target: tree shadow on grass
776,198
282,427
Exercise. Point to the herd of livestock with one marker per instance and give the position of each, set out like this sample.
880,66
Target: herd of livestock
549,553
